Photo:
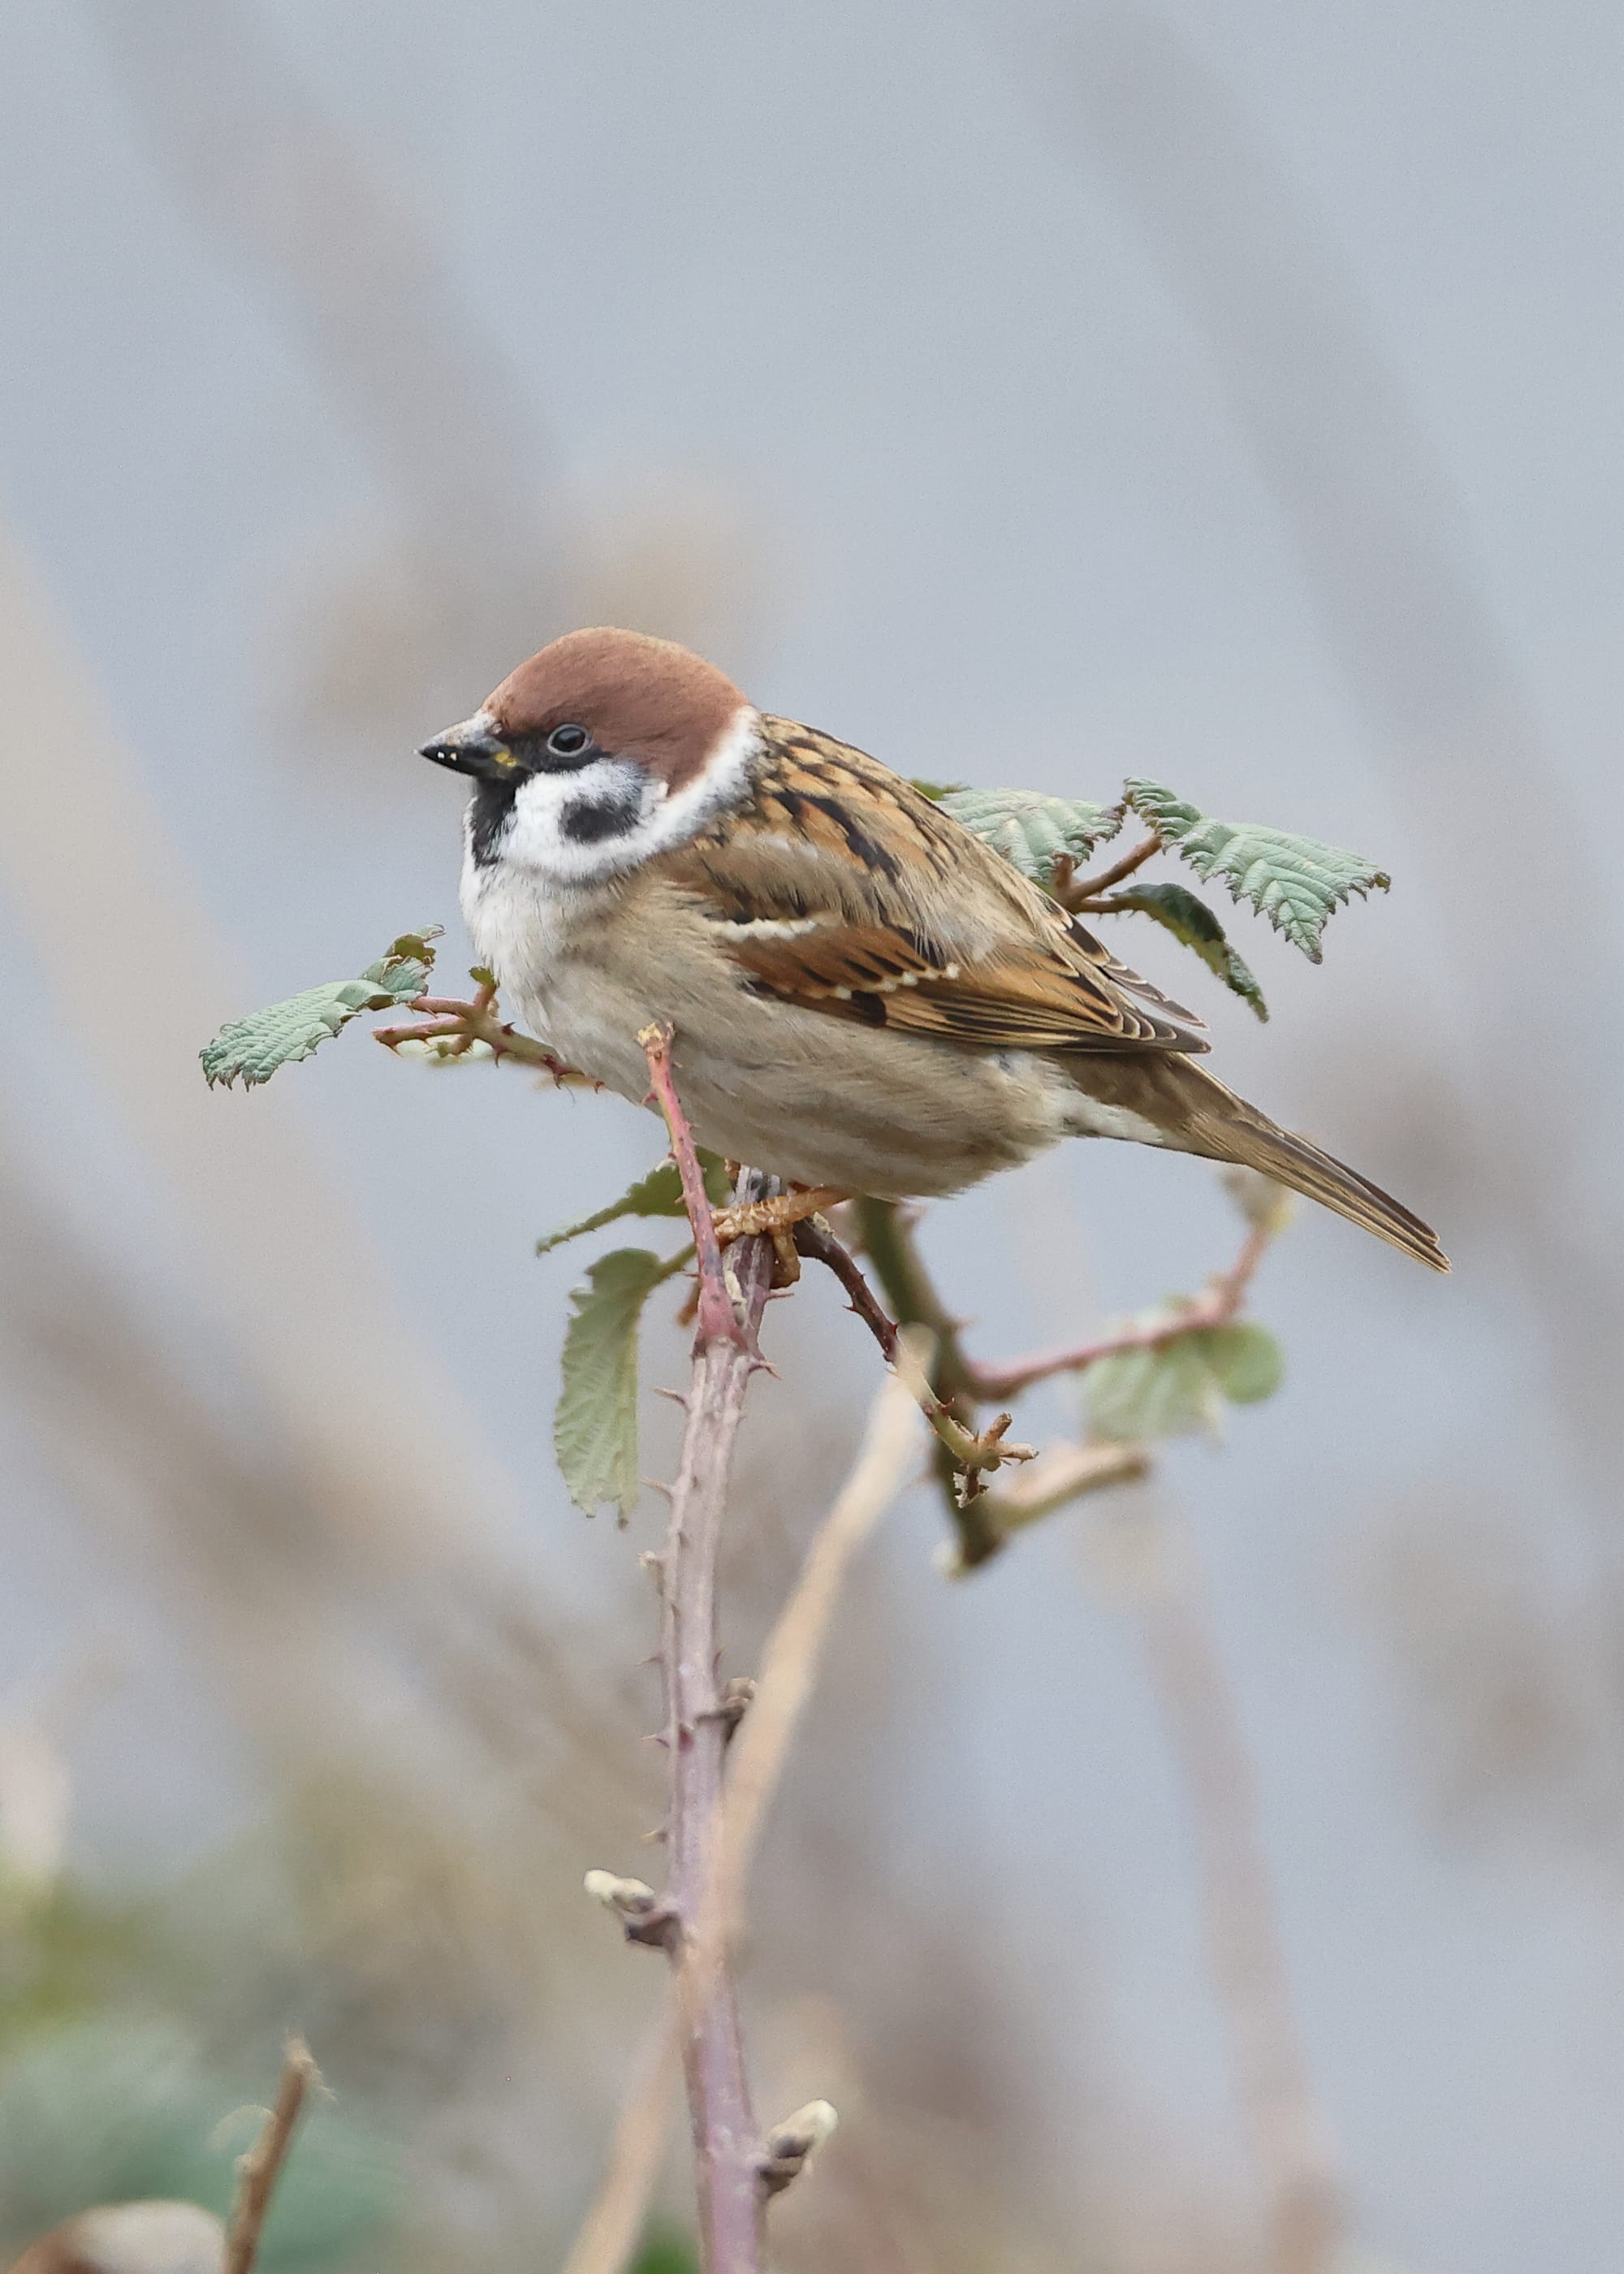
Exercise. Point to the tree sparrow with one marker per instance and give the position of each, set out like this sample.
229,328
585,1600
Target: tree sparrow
864,997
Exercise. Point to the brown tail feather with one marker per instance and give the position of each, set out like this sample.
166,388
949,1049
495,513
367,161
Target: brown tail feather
1198,1115
1293,1161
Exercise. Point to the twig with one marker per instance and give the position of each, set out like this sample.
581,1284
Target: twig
1081,892
610,2233
814,1237
983,1521
756,1759
1215,1307
1063,1475
887,1237
261,2167
447,1019
717,1316
972,1453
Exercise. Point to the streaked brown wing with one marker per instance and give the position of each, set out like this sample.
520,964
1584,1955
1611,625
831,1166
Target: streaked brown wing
824,890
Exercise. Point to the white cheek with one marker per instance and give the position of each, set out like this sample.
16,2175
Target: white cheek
539,836
548,811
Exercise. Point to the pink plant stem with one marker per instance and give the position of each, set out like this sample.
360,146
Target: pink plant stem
1215,1308
728,2151
717,1316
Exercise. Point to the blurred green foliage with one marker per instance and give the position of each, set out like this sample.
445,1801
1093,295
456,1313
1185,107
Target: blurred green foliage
105,2097
666,2252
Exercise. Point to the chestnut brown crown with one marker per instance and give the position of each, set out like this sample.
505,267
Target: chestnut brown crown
636,696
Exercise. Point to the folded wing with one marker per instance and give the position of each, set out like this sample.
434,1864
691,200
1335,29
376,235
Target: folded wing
841,889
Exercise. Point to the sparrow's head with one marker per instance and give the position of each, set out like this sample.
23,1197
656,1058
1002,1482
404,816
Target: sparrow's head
604,748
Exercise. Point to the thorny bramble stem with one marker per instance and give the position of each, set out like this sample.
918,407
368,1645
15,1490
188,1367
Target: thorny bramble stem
973,1454
716,1312
1222,1298
727,2148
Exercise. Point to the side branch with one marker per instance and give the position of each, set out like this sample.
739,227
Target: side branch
956,1384
1080,892
1215,1307
972,1453
447,1028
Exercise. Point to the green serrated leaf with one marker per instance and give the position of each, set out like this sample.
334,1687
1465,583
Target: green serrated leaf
595,1423
659,1193
279,1035
1192,920
936,791
1179,1388
1033,830
1296,882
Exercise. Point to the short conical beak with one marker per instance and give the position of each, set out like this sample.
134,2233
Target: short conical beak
474,747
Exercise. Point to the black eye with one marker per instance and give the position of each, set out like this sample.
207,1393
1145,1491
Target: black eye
567,741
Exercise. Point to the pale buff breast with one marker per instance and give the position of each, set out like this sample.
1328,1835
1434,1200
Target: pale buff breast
810,1097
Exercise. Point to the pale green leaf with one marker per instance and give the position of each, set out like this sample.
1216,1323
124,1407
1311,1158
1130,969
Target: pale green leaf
1178,1388
1296,882
1033,830
595,1423
1246,1358
659,1193
254,1047
1192,921
1163,1389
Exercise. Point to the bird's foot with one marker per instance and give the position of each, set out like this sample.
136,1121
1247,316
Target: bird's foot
780,1213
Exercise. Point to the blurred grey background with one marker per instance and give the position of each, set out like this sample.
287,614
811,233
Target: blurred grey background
1223,393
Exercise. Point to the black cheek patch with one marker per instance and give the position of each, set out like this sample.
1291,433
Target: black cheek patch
591,820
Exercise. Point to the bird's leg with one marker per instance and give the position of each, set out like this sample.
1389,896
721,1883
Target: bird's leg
781,1213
